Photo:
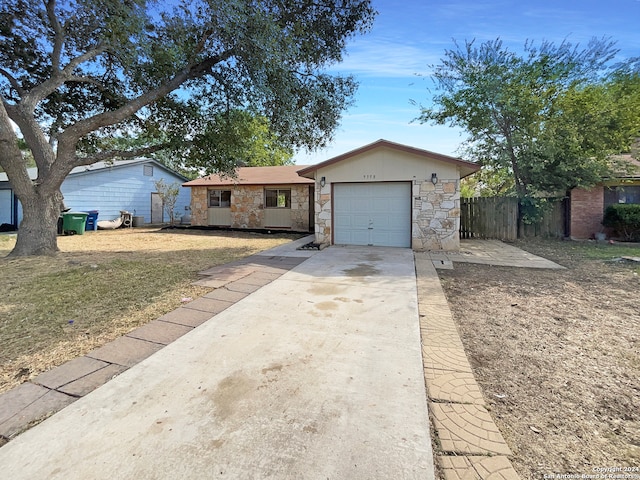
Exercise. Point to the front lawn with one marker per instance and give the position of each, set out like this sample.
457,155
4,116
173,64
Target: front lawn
102,285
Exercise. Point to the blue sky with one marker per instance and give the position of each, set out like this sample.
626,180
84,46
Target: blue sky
409,36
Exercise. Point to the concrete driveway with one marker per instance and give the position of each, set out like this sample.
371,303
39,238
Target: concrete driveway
317,375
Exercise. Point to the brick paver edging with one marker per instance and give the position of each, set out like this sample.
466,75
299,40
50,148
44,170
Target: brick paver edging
470,444
33,401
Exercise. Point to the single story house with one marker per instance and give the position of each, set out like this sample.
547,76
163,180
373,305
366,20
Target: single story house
108,188
256,198
383,194
587,206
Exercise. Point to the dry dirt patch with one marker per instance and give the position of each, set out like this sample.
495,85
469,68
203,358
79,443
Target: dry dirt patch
557,355
102,285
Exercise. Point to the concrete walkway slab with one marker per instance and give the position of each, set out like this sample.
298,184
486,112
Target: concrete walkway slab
491,252
316,375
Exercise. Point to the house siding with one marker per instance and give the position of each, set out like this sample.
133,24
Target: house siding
108,190
247,205
587,211
125,188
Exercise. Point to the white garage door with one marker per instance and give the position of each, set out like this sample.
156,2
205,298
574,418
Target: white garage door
372,214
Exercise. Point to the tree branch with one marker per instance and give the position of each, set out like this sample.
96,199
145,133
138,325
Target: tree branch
12,80
58,78
58,35
10,155
34,136
69,138
111,154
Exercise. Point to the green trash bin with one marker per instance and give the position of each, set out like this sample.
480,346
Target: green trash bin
74,222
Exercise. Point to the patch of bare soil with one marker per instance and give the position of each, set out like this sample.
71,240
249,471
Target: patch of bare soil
557,355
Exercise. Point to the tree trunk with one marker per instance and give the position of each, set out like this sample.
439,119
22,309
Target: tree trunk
37,233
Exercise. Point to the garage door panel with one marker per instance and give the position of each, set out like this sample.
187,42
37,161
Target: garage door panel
373,214
359,205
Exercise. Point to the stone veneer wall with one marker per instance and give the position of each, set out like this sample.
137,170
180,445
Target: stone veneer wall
323,214
247,206
435,221
199,206
300,207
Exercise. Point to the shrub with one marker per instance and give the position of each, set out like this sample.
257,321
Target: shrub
625,219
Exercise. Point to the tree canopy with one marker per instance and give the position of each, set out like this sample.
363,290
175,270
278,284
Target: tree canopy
550,117
81,79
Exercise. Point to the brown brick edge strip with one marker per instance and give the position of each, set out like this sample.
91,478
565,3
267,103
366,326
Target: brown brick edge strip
33,401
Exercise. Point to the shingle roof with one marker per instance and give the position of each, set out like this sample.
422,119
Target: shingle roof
634,164
33,172
278,175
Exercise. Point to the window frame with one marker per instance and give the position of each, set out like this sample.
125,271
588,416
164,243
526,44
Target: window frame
278,191
615,194
220,201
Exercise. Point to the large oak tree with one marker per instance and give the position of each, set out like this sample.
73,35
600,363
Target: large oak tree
86,81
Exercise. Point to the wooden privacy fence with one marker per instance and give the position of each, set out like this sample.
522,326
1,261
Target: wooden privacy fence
489,217
497,218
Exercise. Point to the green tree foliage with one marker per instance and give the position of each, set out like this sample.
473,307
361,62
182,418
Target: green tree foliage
551,117
488,182
77,74
238,137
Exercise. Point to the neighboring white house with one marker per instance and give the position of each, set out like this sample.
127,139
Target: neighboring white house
108,188
388,194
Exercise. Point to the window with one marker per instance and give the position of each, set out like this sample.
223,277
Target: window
277,198
148,170
621,194
220,198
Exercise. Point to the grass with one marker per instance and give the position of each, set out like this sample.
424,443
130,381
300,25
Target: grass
102,285
574,252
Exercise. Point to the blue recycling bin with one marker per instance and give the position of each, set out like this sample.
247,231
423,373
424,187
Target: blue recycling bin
92,220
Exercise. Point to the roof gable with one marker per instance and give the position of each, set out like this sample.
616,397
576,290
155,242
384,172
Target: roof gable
466,168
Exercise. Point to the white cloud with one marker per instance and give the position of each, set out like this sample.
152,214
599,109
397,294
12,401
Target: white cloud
385,58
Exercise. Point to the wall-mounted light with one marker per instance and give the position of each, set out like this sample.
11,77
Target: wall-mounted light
323,181
434,178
